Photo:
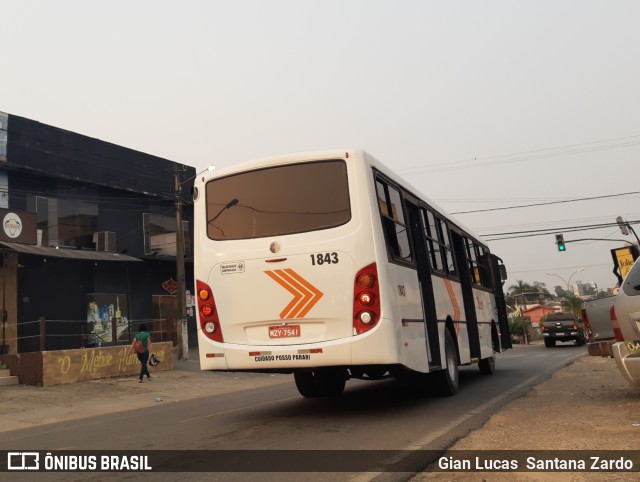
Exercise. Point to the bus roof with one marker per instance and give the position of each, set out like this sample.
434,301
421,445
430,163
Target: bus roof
342,154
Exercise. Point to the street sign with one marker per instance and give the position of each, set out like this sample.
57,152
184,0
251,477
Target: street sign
623,259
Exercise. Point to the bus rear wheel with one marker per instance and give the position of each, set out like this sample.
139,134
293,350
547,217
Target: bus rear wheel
320,383
487,366
446,380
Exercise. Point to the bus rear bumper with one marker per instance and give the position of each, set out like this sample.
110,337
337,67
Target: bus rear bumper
373,348
627,357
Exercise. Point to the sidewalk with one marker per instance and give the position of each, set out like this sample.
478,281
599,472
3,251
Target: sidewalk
23,406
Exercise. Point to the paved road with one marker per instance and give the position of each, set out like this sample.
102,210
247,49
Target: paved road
370,416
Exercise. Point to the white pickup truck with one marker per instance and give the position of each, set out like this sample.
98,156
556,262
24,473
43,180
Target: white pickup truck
626,314
596,315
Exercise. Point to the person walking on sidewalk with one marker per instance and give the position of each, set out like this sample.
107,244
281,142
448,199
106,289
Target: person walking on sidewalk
142,346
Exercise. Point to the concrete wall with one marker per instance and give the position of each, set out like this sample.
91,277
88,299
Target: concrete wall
47,368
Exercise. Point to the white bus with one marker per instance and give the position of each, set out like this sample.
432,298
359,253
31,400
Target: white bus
329,266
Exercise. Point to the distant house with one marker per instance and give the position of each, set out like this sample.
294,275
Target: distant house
537,312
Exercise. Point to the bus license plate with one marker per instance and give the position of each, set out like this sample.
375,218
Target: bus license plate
288,331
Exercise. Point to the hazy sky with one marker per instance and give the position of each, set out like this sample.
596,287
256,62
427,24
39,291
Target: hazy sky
480,104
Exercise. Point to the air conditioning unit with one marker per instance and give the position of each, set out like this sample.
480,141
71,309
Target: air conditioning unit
106,241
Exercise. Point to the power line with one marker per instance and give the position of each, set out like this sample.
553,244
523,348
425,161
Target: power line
548,203
522,156
559,268
546,231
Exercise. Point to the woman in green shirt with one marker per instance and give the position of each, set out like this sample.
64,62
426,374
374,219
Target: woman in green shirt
142,346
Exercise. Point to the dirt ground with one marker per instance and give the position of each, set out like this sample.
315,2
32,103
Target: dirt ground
587,405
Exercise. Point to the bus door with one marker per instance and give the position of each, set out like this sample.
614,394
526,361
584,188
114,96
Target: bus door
417,228
498,276
460,252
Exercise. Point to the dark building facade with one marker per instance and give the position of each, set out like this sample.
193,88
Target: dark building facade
88,239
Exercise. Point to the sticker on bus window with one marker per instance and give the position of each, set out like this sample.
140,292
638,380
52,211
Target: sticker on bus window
232,267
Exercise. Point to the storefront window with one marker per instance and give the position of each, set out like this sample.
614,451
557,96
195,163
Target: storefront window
66,223
160,235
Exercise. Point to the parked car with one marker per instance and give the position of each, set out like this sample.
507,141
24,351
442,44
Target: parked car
563,327
625,316
596,315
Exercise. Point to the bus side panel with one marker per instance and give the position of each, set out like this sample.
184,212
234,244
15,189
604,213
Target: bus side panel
411,318
448,296
400,303
486,312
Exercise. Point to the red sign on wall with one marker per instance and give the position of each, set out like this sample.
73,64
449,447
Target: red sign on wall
170,286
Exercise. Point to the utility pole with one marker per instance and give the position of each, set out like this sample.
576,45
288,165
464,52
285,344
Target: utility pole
524,321
183,335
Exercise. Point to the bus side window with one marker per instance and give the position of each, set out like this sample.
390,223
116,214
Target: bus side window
448,252
433,242
393,221
478,264
382,199
390,235
483,268
473,262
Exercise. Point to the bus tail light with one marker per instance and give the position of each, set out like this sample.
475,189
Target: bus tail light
366,300
209,320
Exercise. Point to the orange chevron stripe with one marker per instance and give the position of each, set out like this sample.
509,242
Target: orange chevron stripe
301,300
305,295
314,294
454,301
296,295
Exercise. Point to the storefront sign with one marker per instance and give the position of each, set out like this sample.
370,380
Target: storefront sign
18,227
170,286
623,259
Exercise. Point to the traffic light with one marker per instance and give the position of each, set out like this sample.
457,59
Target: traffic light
623,226
560,242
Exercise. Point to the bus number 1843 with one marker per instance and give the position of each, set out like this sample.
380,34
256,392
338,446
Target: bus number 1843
324,258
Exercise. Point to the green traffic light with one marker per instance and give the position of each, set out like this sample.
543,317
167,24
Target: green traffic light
562,247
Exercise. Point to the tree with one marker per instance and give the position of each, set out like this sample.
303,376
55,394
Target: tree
520,286
542,287
523,293
562,293
604,293
519,326
573,304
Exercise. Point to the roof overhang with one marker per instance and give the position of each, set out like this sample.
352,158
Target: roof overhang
79,254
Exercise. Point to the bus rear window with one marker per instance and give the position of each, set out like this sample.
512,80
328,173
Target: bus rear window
275,201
